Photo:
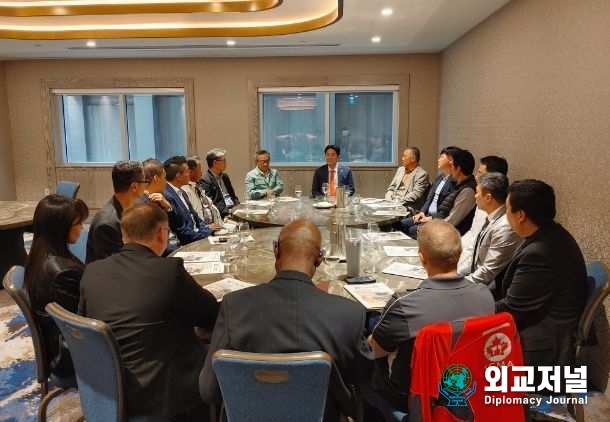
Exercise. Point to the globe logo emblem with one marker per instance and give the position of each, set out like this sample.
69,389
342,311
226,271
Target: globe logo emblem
457,385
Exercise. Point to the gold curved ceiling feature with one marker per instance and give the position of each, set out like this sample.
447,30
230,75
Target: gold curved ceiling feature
286,17
119,7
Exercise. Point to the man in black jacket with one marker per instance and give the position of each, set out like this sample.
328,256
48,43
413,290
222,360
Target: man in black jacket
152,306
216,183
290,314
545,284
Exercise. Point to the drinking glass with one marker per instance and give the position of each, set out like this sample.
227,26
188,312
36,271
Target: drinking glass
374,256
325,191
229,256
248,198
356,199
372,231
397,201
298,191
243,231
331,258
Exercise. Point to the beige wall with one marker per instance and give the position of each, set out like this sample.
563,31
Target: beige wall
224,107
7,174
532,83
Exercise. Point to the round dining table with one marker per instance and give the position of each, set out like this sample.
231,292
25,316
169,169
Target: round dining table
255,262
282,210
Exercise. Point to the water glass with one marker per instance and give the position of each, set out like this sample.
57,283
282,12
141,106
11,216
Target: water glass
356,199
372,231
331,258
325,191
298,191
243,231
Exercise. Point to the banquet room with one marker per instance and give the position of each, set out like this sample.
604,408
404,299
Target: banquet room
83,83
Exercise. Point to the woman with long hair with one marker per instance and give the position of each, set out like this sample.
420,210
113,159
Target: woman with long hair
53,273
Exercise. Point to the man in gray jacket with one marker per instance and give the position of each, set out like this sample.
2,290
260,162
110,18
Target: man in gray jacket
411,182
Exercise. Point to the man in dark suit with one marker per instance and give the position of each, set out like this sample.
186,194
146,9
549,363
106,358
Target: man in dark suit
152,306
443,184
104,237
341,175
216,183
545,285
184,221
289,314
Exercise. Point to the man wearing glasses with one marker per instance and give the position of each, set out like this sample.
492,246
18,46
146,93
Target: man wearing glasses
105,238
263,181
216,182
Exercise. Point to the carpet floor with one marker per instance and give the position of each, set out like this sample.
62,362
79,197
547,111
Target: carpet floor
19,390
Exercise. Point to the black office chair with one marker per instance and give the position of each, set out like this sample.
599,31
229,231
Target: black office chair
67,188
97,362
13,283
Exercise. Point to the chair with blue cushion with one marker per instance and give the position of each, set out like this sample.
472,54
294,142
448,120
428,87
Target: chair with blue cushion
598,289
66,188
97,362
13,283
79,248
297,382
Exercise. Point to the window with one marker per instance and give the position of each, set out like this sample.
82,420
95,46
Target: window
297,124
104,126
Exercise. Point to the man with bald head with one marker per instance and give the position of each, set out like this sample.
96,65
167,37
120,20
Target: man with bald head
289,314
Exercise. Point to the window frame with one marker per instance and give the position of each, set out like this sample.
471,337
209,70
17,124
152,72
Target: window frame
52,113
327,90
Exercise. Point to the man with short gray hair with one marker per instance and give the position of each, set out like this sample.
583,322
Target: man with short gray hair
411,182
496,242
216,182
407,312
263,181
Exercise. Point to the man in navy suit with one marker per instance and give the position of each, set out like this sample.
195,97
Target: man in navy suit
341,175
184,222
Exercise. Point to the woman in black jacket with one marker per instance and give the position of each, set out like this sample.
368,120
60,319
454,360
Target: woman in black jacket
53,273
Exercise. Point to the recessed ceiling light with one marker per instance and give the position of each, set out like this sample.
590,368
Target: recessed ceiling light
376,39
91,44
387,11
230,42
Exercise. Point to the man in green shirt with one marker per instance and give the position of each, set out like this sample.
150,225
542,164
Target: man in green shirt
263,181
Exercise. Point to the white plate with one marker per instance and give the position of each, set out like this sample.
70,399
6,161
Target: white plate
221,232
286,199
322,205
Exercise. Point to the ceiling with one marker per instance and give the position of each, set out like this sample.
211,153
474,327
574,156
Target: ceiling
198,28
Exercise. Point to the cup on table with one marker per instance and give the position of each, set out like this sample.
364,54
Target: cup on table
352,252
298,191
356,199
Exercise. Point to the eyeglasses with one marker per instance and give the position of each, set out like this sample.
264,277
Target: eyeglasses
220,159
264,161
145,181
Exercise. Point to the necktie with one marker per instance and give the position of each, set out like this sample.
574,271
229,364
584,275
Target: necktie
331,183
476,246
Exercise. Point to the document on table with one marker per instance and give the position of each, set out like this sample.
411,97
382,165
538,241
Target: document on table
392,213
199,256
251,212
406,270
386,236
383,204
204,267
401,250
226,285
372,296
370,200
